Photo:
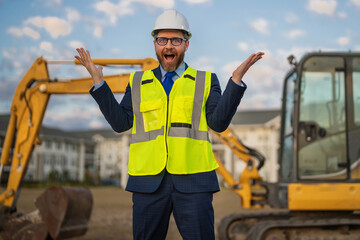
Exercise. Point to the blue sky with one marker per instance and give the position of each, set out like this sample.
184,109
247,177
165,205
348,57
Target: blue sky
224,34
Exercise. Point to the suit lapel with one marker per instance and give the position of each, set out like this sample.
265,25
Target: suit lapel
157,73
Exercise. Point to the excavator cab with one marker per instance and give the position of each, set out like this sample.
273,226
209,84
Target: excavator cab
320,133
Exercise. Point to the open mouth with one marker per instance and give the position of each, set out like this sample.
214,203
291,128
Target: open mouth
169,57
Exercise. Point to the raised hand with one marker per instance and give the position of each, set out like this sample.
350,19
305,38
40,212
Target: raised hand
240,71
85,60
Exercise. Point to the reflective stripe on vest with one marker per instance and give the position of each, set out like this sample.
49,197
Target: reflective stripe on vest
141,135
192,131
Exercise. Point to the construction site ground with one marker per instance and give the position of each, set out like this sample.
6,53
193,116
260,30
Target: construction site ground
111,217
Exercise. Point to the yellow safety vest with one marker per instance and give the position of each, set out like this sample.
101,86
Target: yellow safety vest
172,131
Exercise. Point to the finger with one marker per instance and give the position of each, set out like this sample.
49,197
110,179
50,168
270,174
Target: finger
84,55
259,56
81,52
78,50
256,57
88,57
80,60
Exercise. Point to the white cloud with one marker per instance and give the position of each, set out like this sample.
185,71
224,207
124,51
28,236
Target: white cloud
113,11
76,44
72,15
46,46
31,33
291,18
343,41
295,33
9,53
356,3
98,31
164,4
260,25
205,63
357,48
230,67
25,31
326,7
124,7
53,25
243,46
196,1
15,31
342,15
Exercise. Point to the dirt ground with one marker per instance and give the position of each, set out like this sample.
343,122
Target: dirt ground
111,217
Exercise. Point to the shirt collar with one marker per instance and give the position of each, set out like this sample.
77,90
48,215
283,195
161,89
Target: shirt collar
179,72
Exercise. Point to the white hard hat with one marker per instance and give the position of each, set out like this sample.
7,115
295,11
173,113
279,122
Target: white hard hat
171,19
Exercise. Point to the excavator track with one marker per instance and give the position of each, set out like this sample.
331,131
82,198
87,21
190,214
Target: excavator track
285,225
237,225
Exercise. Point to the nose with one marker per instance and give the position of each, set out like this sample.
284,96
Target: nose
169,44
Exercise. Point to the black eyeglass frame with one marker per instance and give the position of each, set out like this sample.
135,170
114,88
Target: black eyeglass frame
171,40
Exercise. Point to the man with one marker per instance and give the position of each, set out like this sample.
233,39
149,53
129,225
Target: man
170,108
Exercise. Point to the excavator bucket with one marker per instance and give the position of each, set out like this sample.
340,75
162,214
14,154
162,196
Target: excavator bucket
65,210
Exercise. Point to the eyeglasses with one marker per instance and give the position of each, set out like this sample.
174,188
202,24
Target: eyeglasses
162,41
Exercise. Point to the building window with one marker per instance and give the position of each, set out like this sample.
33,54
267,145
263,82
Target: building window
63,161
58,145
48,144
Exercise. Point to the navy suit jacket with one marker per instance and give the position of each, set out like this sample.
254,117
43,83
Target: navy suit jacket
219,111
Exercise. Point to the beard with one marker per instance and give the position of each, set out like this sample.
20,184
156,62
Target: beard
173,65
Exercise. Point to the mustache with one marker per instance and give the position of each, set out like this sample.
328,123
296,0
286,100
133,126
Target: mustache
169,51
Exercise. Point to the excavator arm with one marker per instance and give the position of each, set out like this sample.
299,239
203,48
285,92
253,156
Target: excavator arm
26,115
249,187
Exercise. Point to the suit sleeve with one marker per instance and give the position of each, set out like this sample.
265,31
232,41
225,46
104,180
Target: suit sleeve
220,109
119,116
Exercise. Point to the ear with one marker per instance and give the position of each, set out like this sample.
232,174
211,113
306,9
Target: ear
186,45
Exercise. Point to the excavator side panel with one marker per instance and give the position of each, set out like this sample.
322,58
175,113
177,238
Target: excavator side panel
324,196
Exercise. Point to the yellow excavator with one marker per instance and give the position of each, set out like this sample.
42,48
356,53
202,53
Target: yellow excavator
317,196
62,212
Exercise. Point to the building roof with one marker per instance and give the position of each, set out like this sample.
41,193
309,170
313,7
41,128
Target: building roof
252,117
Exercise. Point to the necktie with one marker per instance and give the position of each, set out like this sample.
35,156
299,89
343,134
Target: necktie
168,82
